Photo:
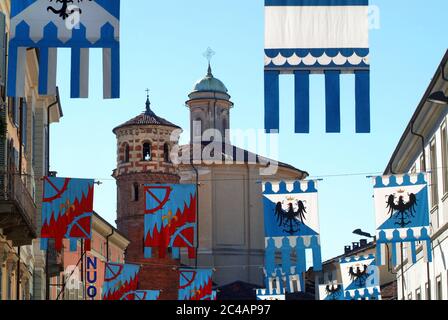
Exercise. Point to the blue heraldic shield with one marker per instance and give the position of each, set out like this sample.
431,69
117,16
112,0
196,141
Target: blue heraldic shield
402,216
291,227
48,25
304,37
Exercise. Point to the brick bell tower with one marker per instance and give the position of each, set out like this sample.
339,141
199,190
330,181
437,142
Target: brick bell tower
143,148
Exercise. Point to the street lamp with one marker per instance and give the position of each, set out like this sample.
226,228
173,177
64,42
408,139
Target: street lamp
359,232
438,98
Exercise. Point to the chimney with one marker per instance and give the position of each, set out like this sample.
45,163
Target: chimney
347,249
355,246
363,243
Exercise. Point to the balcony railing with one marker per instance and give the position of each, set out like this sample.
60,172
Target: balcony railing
18,212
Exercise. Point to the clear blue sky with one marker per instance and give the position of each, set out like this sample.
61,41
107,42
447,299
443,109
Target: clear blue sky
162,44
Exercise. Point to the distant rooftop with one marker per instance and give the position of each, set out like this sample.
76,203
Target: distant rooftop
148,117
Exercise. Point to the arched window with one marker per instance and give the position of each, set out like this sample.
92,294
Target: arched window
135,191
126,153
147,156
166,153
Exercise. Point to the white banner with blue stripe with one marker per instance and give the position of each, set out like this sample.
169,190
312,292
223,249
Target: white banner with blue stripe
48,25
402,216
317,36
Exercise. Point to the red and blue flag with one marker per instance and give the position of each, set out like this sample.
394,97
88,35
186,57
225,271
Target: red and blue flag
67,209
170,219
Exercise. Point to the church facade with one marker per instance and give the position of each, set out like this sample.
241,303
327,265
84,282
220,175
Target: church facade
229,179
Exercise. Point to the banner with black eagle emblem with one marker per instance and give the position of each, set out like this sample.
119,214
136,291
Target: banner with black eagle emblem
291,227
360,278
331,292
402,216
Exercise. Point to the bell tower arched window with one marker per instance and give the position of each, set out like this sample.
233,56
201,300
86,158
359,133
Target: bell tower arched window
135,191
147,156
166,153
126,153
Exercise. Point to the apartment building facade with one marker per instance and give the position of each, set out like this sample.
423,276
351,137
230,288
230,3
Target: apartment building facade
423,147
24,154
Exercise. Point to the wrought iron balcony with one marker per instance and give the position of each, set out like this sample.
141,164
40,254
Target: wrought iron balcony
18,210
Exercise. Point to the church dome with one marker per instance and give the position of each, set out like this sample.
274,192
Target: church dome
210,84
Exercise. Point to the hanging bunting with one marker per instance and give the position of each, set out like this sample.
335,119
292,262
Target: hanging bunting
360,278
266,294
48,25
142,295
67,209
304,37
170,219
331,292
196,284
402,216
120,281
291,221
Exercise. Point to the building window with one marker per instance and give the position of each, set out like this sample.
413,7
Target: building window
439,288
410,296
445,158
147,156
166,153
126,153
9,285
427,292
135,192
414,169
418,294
434,186
24,124
1,282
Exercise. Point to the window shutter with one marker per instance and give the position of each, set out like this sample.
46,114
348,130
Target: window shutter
2,49
33,128
16,158
24,124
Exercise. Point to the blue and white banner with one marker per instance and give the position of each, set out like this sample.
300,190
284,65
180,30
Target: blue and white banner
265,295
291,219
360,278
331,292
402,216
48,25
281,280
317,36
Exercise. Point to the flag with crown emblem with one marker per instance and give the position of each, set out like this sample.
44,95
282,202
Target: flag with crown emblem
67,210
48,25
170,219
402,216
291,220
304,37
